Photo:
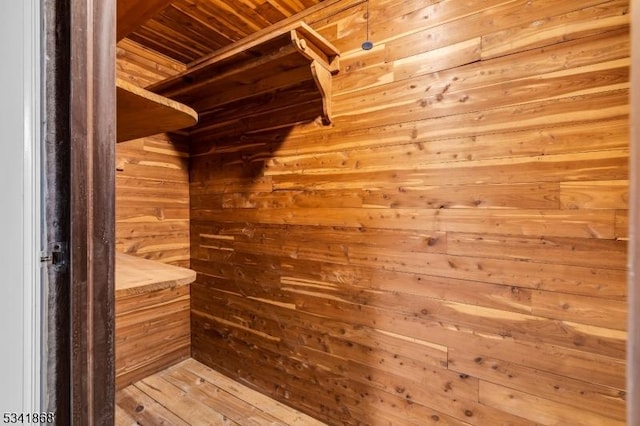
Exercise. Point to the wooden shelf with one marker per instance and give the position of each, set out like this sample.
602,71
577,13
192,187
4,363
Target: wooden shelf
274,80
152,317
135,275
143,113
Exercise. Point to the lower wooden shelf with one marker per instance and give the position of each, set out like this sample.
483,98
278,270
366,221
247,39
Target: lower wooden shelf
136,275
152,323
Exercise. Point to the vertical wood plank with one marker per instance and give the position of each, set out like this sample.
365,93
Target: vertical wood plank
92,109
56,203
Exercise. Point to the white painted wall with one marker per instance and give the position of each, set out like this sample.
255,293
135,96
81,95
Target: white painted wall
19,206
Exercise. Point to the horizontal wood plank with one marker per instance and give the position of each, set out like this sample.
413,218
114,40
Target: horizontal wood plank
539,409
576,393
450,250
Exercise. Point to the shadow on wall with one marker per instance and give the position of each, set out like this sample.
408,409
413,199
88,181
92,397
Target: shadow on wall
453,249
262,303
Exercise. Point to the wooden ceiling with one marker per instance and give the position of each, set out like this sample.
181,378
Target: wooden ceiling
187,30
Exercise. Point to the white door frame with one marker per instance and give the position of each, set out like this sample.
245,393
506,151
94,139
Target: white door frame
33,127
20,124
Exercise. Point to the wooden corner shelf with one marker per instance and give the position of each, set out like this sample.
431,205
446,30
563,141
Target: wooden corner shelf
143,113
135,275
152,317
276,79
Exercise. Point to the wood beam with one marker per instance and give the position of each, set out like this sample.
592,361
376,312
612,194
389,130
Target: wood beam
92,183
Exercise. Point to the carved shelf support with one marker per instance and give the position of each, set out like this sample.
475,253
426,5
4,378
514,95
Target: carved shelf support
276,79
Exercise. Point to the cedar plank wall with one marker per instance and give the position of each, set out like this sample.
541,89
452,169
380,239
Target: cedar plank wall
152,178
452,250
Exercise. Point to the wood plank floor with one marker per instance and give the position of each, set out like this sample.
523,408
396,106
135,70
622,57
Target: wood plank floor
190,393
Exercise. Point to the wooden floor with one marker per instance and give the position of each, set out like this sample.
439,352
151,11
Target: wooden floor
190,393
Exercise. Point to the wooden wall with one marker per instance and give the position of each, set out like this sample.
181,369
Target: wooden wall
152,178
152,221
633,346
452,250
152,332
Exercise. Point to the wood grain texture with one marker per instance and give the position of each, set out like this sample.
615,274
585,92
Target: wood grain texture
142,113
152,306
451,250
191,393
463,214
633,355
279,79
55,211
135,275
133,13
152,319
141,66
190,31
152,174
152,199
91,179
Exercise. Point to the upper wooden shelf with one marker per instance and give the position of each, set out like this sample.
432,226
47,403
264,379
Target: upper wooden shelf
135,275
276,79
143,113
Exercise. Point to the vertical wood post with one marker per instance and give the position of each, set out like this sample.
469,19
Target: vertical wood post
56,205
92,110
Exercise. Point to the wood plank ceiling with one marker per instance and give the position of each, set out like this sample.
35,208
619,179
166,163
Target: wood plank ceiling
187,30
